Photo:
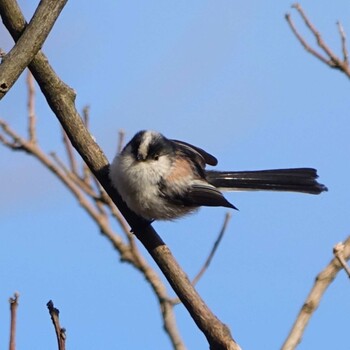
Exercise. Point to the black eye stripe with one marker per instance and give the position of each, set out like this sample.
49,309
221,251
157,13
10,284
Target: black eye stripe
159,147
155,149
144,146
135,143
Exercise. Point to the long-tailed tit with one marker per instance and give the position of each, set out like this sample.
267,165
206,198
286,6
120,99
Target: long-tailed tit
162,179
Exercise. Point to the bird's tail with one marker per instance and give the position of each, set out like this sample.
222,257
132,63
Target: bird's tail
290,180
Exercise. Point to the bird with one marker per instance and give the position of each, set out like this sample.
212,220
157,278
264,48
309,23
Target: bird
164,179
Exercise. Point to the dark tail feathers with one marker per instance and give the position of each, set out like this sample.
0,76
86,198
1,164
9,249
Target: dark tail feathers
291,180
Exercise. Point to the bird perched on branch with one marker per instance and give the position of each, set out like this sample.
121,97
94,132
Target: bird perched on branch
163,179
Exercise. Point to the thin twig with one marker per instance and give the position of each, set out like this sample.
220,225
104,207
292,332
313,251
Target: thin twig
31,108
117,215
330,58
121,137
60,163
13,310
16,142
322,282
303,42
215,247
60,172
70,153
343,43
316,33
75,178
338,252
128,253
60,332
175,301
9,144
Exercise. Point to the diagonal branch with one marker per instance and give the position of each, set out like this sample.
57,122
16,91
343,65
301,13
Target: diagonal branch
338,252
210,257
34,35
70,153
61,98
322,282
303,42
129,254
18,143
215,247
314,31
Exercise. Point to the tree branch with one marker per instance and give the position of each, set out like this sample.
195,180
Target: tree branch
322,282
121,137
215,247
31,108
29,43
343,43
210,257
70,153
60,332
338,252
330,59
129,253
13,311
61,98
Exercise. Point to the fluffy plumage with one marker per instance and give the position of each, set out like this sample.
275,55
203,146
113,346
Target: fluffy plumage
162,179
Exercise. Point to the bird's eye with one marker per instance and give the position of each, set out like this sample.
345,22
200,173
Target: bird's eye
156,157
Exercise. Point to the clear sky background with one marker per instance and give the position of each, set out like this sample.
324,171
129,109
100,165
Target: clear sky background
230,77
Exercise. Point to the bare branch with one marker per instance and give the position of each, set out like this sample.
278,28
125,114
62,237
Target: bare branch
31,108
322,282
207,262
7,143
338,252
60,332
330,59
303,41
129,253
61,100
13,310
33,149
315,32
16,142
70,153
32,39
215,247
121,137
76,179
343,43
60,163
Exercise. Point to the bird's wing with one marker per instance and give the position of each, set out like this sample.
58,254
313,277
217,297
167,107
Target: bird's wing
207,195
196,152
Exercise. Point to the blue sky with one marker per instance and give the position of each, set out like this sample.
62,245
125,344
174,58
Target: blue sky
227,76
